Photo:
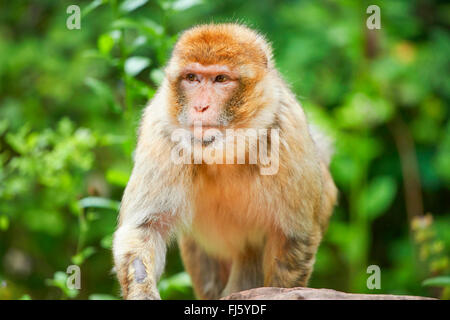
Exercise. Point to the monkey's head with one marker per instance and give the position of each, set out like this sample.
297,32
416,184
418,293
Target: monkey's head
217,77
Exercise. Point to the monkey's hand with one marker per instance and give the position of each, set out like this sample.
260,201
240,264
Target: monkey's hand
139,255
141,286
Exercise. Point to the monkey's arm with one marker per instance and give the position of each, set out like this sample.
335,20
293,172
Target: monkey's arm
291,260
289,257
148,217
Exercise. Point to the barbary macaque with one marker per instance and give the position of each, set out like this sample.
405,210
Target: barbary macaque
238,225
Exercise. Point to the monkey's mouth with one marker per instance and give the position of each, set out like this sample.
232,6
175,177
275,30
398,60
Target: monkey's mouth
206,134
205,141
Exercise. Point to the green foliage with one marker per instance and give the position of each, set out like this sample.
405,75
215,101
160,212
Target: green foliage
70,101
100,296
60,281
97,202
442,281
437,281
376,197
176,286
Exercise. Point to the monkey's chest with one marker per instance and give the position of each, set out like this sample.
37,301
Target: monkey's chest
230,215
224,233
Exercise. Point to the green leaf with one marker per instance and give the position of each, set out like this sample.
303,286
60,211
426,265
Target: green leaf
91,6
180,282
377,196
124,23
79,258
130,5
105,43
135,65
442,281
151,27
102,296
180,5
60,281
144,25
97,202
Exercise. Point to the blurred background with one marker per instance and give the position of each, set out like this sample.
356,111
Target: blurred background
70,102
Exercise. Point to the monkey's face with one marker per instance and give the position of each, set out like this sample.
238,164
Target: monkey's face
207,96
215,77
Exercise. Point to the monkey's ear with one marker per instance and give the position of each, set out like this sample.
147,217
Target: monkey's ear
173,68
266,49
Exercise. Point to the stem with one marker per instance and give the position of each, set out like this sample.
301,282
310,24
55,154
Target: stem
83,229
409,167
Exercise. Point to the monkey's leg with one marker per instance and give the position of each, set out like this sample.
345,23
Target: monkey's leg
246,273
208,274
139,257
288,261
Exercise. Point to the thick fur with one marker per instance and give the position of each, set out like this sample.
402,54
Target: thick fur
237,229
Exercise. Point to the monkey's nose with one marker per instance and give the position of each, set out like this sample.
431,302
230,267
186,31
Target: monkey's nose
201,108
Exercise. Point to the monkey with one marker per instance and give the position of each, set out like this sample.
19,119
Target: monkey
236,227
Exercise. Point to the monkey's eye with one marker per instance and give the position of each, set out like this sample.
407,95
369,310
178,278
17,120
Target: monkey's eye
221,78
191,77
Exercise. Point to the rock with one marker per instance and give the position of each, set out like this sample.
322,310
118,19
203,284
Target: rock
300,293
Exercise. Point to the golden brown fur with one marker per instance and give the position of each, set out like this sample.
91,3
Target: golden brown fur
237,229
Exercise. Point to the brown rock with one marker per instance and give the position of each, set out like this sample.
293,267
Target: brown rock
299,293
